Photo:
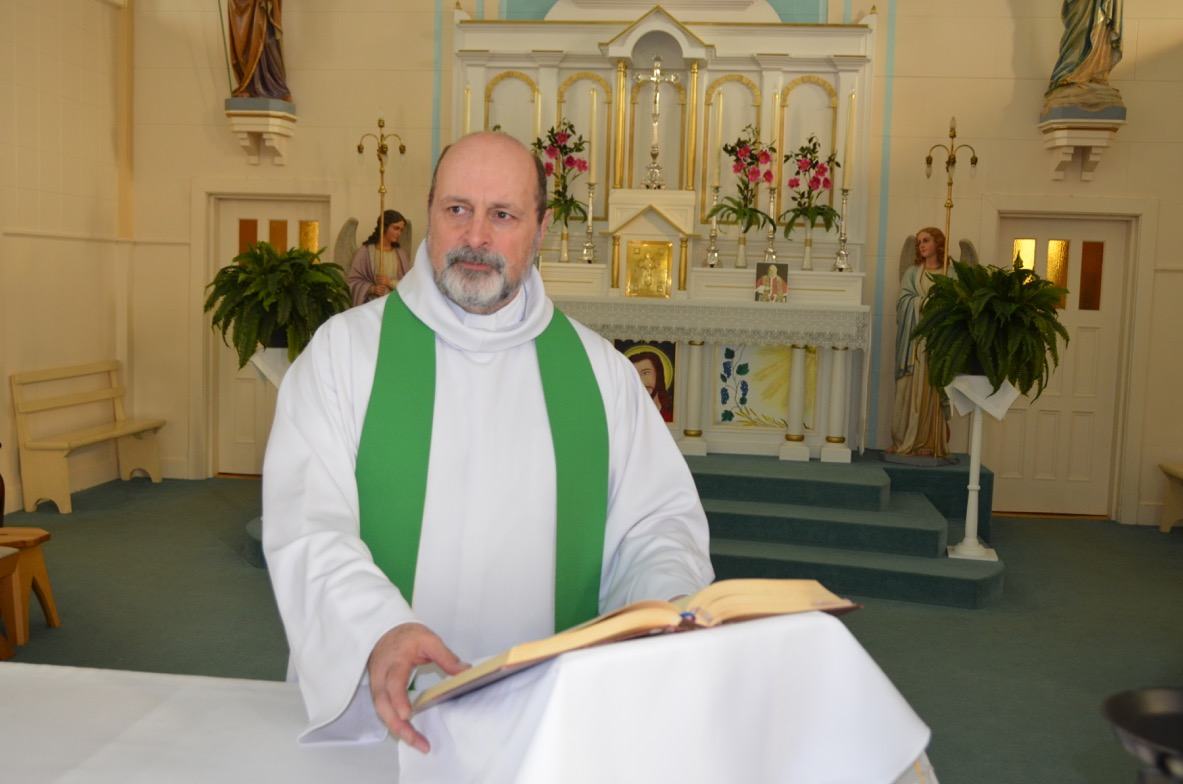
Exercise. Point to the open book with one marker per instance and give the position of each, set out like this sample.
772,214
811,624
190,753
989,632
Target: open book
726,601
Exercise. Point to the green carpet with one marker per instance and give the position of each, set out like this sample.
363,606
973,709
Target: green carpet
158,577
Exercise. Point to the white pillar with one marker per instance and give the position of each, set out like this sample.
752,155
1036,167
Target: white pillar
970,547
794,447
692,442
836,449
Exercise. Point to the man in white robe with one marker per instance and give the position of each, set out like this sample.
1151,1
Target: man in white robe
485,577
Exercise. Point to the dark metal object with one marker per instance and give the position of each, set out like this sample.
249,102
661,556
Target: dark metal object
1149,724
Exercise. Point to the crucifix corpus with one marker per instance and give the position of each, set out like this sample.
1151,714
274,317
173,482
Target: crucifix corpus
654,180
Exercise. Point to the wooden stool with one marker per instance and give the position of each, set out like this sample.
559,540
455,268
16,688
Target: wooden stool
8,558
1172,508
30,574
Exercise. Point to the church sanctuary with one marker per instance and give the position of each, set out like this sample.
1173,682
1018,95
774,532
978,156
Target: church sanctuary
894,284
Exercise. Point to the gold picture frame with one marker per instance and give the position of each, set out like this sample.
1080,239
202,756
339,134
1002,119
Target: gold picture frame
650,269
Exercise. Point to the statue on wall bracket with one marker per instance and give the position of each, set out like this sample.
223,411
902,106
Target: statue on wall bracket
256,49
1090,47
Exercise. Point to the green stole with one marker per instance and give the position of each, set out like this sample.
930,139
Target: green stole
395,449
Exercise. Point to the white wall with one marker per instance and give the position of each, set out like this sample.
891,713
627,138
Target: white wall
62,273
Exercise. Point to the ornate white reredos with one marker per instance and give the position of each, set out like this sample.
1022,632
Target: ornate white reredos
698,10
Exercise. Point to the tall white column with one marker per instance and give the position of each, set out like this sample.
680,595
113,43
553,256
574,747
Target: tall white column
794,447
692,442
970,547
835,449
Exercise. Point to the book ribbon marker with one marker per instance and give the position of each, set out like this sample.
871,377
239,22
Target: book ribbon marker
396,442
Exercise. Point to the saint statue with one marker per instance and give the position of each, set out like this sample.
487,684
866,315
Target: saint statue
256,49
1089,49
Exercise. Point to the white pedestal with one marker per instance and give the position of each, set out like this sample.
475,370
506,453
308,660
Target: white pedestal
794,450
835,453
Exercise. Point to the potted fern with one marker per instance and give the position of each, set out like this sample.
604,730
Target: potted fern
1000,322
266,296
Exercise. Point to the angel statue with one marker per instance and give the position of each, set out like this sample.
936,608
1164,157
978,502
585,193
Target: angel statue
920,417
375,268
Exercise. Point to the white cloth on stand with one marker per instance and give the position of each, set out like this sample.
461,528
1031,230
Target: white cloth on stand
966,391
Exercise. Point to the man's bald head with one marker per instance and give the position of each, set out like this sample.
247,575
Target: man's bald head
506,144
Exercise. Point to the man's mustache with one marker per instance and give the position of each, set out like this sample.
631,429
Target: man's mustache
469,255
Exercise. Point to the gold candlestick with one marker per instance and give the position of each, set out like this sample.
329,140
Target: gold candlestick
383,148
950,163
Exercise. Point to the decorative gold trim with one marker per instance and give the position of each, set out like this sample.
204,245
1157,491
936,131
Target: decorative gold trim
696,342
793,437
708,104
642,211
683,260
501,77
618,145
615,262
840,348
691,131
655,9
579,76
633,125
782,111
692,433
650,268
835,439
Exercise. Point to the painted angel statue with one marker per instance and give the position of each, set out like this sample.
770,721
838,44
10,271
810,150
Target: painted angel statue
920,415
375,268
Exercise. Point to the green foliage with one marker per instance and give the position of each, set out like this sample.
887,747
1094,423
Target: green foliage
751,162
811,179
1002,318
264,292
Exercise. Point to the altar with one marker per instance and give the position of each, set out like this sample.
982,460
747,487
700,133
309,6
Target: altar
763,340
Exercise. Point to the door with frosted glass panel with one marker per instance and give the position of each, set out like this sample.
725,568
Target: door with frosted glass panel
1055,455
244,404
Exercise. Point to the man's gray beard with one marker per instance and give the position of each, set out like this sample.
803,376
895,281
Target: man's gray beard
472,290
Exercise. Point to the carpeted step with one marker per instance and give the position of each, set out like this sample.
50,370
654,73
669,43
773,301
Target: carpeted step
910,525
953,582
758,478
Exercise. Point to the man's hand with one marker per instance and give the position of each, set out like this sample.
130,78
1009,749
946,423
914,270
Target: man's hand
395,655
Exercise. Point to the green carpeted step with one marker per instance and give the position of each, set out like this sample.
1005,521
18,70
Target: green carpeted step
910,525
758,478
952,582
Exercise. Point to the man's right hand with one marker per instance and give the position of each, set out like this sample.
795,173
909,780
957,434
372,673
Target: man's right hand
396,654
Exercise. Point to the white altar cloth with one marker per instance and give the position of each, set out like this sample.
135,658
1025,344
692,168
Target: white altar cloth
72,724
785,699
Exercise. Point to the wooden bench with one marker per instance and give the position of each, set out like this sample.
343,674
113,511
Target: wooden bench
45,474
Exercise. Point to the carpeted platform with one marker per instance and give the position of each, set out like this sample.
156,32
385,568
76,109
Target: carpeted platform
852,526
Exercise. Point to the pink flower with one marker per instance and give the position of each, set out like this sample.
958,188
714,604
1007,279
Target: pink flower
764,157
569,161
744,151
802,164
815,182
581,164
550,168
736,167
552,152
826,183
768,175
753,174
822,169
562,136
794,182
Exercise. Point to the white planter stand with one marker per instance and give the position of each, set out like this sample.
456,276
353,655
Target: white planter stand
974,394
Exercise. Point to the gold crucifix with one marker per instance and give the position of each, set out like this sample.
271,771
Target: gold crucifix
653,176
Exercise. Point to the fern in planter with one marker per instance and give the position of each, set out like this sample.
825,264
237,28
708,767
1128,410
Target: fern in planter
1000,322
266,293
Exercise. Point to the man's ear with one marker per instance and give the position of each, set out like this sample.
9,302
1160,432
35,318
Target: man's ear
544,224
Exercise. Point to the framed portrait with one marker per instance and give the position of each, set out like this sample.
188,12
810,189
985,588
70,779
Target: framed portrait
654,362
772,283
650,265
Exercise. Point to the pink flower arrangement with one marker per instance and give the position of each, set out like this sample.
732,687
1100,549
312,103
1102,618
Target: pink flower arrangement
809,184
751,163
562,146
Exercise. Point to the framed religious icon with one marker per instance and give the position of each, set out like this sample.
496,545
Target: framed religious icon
771,282
650,267
654,362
